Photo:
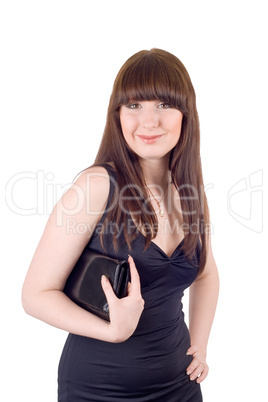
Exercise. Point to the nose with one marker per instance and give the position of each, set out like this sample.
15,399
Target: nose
150,119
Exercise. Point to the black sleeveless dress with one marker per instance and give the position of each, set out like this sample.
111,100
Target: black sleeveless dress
151,365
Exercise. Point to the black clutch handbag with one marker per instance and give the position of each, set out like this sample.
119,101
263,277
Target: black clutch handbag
83,286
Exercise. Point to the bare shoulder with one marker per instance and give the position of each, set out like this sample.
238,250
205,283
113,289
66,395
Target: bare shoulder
89,193
69,228
94,175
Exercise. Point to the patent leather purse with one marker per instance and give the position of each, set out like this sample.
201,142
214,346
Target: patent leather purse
83,286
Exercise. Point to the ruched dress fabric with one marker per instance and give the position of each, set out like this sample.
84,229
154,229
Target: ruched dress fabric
151,365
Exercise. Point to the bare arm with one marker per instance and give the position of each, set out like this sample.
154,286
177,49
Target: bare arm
60,247
203,300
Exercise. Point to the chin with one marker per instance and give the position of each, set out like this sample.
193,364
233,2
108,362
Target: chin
153,156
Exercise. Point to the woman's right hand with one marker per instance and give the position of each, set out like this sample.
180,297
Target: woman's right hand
124,313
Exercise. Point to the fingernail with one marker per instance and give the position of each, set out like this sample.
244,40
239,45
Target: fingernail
188,372
104,279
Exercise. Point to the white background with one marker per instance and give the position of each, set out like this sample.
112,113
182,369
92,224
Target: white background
58,63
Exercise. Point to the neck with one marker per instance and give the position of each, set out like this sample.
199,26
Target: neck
156,171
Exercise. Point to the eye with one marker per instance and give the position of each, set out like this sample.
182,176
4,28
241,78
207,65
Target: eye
133,106
164,105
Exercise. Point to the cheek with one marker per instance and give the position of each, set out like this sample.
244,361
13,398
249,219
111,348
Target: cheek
175,126
173,122
128,126
174,131
124,123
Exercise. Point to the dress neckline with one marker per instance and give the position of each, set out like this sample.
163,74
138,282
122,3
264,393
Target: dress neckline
163,252
152,243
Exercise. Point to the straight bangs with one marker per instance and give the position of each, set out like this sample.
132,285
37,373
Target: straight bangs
150,78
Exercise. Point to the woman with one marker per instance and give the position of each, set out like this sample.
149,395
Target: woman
144,198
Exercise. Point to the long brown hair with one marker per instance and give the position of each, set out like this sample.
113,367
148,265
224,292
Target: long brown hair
157,75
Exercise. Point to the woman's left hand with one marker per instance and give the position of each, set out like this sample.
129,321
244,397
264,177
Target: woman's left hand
198,369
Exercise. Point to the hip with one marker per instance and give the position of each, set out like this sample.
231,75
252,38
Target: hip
154,358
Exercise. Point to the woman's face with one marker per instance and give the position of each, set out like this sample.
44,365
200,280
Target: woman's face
151,128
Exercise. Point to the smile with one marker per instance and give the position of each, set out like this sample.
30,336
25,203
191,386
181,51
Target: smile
150,139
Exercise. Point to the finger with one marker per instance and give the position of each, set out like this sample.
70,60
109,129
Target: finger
192,367
203,375
108,290
197,372
194,363
128,287
192,350
135,279
200,373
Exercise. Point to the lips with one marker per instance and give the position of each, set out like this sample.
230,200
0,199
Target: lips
150,139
